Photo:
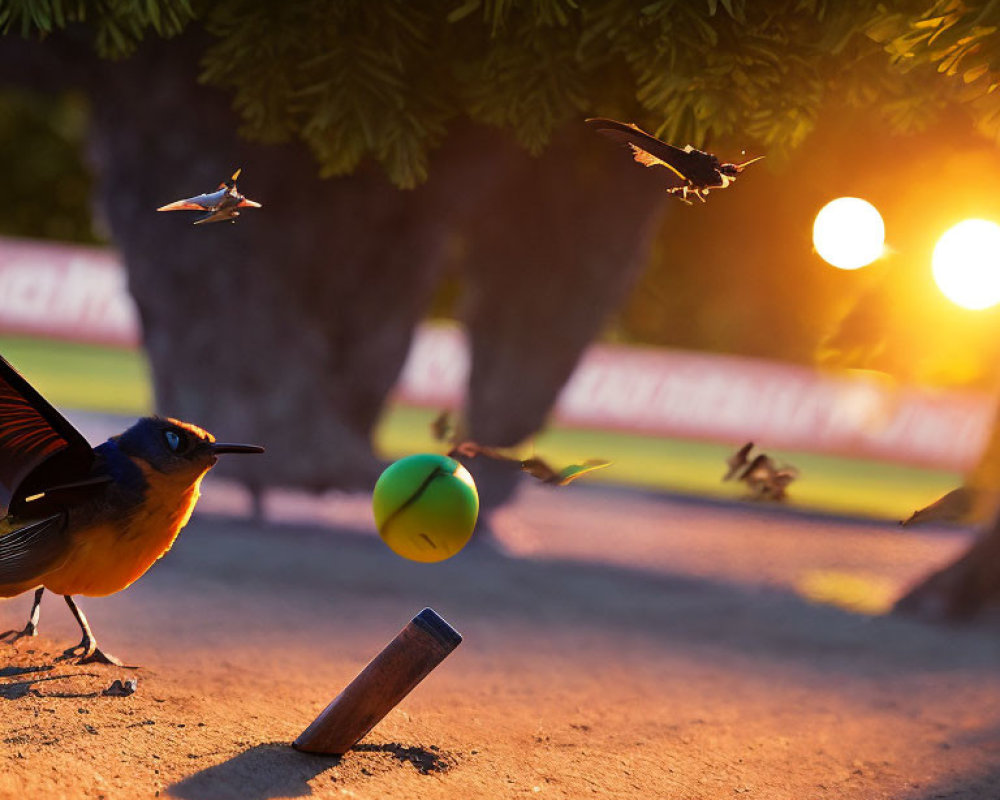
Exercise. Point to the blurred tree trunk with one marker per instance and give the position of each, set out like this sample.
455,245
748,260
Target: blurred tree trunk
290,327
287,328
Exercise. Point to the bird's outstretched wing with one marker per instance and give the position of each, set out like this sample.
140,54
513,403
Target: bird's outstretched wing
200,202
29,551
534,466
39,448
686,165
221,215
737,461
546,474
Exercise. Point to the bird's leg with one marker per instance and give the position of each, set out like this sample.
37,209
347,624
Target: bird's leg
88,650
680,192
31,629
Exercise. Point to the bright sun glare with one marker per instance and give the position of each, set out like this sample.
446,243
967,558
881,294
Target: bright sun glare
849,233
966,264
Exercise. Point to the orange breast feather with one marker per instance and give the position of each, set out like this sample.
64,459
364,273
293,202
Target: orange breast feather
108,557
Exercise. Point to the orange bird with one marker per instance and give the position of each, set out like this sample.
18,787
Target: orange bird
91,521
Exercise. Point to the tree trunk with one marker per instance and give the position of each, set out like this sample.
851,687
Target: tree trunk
287,328
549,260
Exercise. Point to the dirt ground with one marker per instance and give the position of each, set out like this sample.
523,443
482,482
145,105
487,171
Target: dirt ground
620,645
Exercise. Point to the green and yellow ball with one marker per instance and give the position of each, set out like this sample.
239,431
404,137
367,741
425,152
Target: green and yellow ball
425,507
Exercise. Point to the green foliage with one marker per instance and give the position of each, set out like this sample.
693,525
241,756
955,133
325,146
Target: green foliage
118,25
352,79
529,79
358,79
46,189
958,39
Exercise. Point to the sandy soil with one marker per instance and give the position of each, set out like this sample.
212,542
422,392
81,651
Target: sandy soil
623,646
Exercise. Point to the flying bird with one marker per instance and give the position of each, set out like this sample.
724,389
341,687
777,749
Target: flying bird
91,521
443,429
536,467
222,204
768,481
765,479
691,172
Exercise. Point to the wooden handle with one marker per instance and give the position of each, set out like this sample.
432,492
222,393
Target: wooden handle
392,674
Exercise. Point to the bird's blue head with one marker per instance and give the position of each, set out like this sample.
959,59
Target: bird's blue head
174,447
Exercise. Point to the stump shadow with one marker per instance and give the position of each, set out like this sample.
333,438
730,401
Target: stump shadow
421,759
260,773
276,769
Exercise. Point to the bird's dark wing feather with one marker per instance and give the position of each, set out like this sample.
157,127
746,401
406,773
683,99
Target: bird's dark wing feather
38,446
737,460
761,468
218,215
27,553
687,165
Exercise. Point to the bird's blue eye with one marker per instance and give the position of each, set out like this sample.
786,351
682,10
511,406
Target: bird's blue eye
173,440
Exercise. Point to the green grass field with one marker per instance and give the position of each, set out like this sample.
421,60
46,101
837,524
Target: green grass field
117,381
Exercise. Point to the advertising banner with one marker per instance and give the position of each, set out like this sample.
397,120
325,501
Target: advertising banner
80,294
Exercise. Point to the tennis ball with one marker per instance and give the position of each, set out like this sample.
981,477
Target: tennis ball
425,507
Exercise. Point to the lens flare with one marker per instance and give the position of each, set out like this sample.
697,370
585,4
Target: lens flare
849,233
966,264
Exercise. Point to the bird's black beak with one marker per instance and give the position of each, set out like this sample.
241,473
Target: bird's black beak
221,447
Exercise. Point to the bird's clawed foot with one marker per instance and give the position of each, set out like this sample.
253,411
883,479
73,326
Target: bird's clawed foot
100,657
11,636
87,652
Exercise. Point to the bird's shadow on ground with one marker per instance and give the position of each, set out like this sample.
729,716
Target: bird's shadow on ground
20,689
276,770
28,686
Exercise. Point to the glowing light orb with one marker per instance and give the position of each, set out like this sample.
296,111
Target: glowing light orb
849,233
966,264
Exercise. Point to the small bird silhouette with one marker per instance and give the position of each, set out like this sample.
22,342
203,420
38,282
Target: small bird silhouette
765,479
690,172
444,429
534,466
91,521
